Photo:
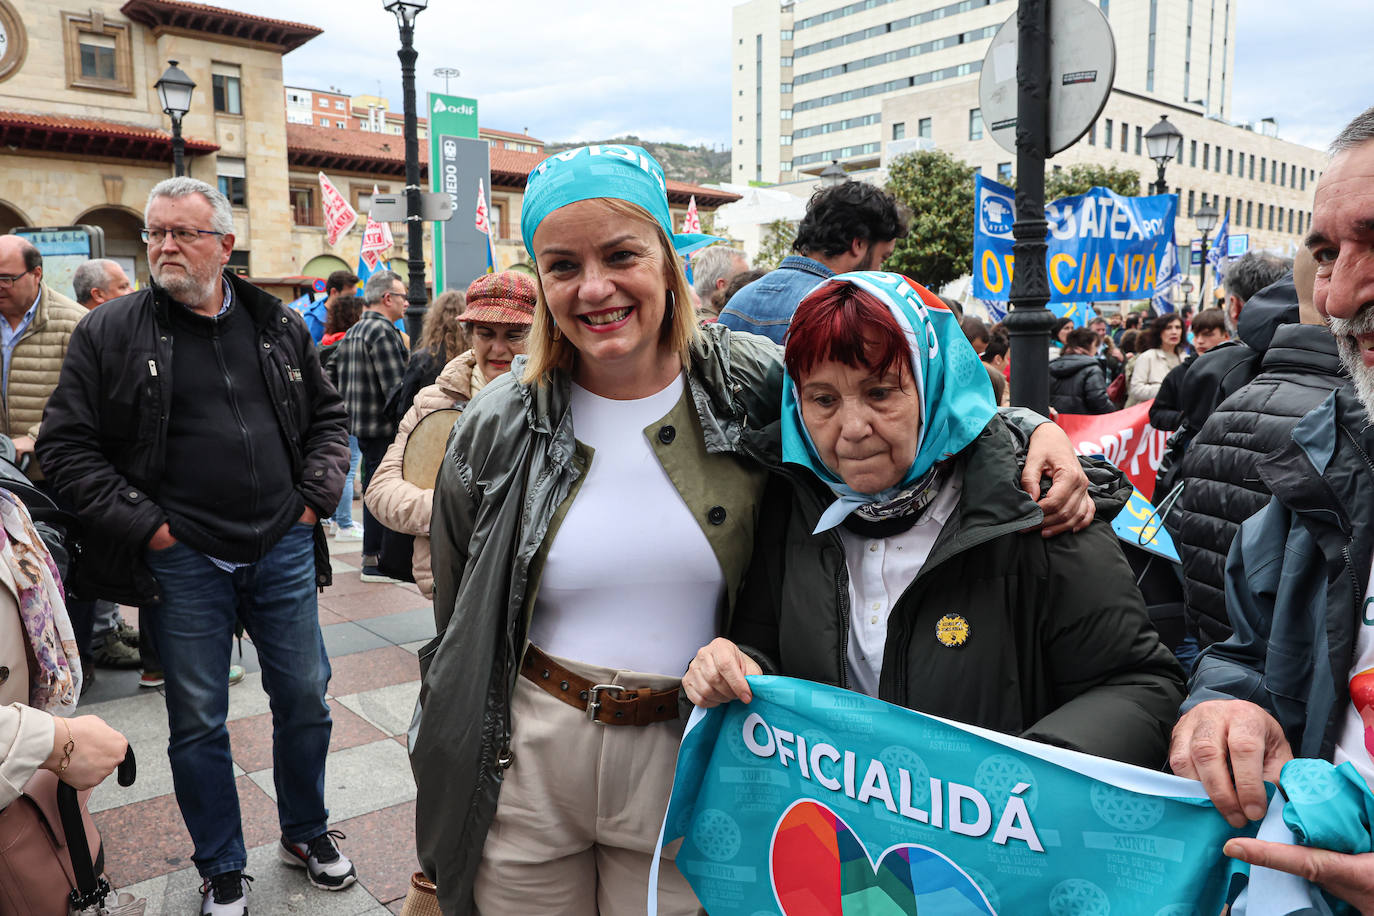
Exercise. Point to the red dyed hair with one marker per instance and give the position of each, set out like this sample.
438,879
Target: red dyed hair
841,322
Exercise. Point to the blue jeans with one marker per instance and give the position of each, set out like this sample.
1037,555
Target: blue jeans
192,628
343,516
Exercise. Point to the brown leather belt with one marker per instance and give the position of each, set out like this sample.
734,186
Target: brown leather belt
605,704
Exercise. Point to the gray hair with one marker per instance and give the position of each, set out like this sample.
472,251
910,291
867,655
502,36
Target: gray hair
715,263
91,275
378,285
1253,272
221,220
1356,133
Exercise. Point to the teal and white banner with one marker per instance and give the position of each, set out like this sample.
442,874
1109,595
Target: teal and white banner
817,801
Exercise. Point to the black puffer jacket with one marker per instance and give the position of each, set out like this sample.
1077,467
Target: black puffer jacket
1078,384
1222,486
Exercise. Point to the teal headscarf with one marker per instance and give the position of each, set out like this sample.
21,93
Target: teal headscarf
955,394
622,172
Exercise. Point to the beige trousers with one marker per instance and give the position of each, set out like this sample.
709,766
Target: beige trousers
580,811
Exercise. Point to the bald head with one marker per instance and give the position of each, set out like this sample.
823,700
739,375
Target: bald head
21,277
98,281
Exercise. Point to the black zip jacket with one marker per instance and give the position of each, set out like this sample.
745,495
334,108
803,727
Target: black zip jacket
1078,385
105,433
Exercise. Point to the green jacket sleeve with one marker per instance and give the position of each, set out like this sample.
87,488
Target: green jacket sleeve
1118,686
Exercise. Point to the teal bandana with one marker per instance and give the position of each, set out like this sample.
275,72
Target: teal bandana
625,173
952,385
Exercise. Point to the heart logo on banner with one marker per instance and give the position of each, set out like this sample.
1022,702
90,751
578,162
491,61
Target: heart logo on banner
820,867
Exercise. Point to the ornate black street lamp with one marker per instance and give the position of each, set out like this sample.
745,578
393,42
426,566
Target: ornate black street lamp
833,174
174,89
406,11
1206,217
1164,142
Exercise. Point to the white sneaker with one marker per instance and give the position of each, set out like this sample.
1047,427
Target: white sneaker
327,867
225,895
349,533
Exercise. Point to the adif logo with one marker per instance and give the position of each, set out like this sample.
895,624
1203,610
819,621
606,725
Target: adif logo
440,107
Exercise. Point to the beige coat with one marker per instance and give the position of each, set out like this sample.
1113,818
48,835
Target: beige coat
25,734
399,504
1150,369
37,361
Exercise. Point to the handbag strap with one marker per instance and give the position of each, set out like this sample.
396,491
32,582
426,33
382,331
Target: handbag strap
90,890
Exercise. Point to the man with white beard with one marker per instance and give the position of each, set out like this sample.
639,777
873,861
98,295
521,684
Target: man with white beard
195,434
1297,678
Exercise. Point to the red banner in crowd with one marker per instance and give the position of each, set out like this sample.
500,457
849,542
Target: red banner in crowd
1125,437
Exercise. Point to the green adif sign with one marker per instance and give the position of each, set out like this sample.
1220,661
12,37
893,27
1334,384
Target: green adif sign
452,116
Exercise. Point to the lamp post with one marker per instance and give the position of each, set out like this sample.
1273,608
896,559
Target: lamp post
174,91
1029,321
1164,142
406,11
446,74
1206,217
1187,287
833,174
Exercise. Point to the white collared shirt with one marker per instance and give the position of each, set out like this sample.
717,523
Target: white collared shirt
880,569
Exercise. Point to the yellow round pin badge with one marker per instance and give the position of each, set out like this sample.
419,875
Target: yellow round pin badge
952,630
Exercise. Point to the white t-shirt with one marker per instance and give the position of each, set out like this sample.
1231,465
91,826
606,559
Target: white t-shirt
880,569
1356,742
630,581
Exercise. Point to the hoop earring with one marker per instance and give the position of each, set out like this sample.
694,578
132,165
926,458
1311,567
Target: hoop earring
672,304
555,332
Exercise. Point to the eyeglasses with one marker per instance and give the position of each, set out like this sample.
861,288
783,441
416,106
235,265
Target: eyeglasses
183,236
8,282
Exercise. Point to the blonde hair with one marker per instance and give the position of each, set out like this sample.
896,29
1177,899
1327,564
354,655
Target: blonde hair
546,353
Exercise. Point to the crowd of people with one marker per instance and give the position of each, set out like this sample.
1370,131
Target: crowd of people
655,487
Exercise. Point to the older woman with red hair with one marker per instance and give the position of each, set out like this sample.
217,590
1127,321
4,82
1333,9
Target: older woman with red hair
904,563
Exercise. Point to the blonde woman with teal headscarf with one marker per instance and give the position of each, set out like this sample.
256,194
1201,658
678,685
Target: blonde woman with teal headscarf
593,522
907,565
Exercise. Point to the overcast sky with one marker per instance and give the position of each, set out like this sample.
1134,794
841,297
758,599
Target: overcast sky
591,69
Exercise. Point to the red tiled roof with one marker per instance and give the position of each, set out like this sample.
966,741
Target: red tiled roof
91,137
215,20
362,151
508,133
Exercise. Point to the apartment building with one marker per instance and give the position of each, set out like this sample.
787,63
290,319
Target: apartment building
810,77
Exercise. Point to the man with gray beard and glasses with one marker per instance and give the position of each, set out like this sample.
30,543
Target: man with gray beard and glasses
1297,676
195,434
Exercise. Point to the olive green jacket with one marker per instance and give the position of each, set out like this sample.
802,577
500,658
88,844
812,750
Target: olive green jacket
512,469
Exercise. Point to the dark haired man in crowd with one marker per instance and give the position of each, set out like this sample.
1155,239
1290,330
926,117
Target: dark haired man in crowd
1078,383
852,226
1294,677
341,284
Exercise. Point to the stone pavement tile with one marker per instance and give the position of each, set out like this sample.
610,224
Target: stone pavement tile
247,698
414,647
143,721
396,906
403,627
111,684
348,637
148,838
329,618
251,738
382,847
347,584
372,669
277,890
388,708
359,780
380,600
341,566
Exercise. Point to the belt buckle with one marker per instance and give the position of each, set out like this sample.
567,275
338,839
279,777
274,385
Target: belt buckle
594,700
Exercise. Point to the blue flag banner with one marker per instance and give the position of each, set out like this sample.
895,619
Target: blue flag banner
1169,277
1102,246
1080,312
1139,523
817,801
1218,256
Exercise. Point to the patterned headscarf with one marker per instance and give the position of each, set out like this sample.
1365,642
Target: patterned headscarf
613,170
955,394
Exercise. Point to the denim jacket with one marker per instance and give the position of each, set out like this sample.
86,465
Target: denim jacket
1295,580
766,305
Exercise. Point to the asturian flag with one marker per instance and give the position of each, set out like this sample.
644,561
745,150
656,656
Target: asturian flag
377,241
1217,257
339,216
691,223
1169,276
482,224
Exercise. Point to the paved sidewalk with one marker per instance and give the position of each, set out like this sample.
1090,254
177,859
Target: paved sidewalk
372,633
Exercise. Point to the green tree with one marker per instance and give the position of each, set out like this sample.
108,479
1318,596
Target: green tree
938,190
776,244
1078,179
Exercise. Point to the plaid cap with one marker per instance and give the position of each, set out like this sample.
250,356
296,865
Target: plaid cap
504,298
